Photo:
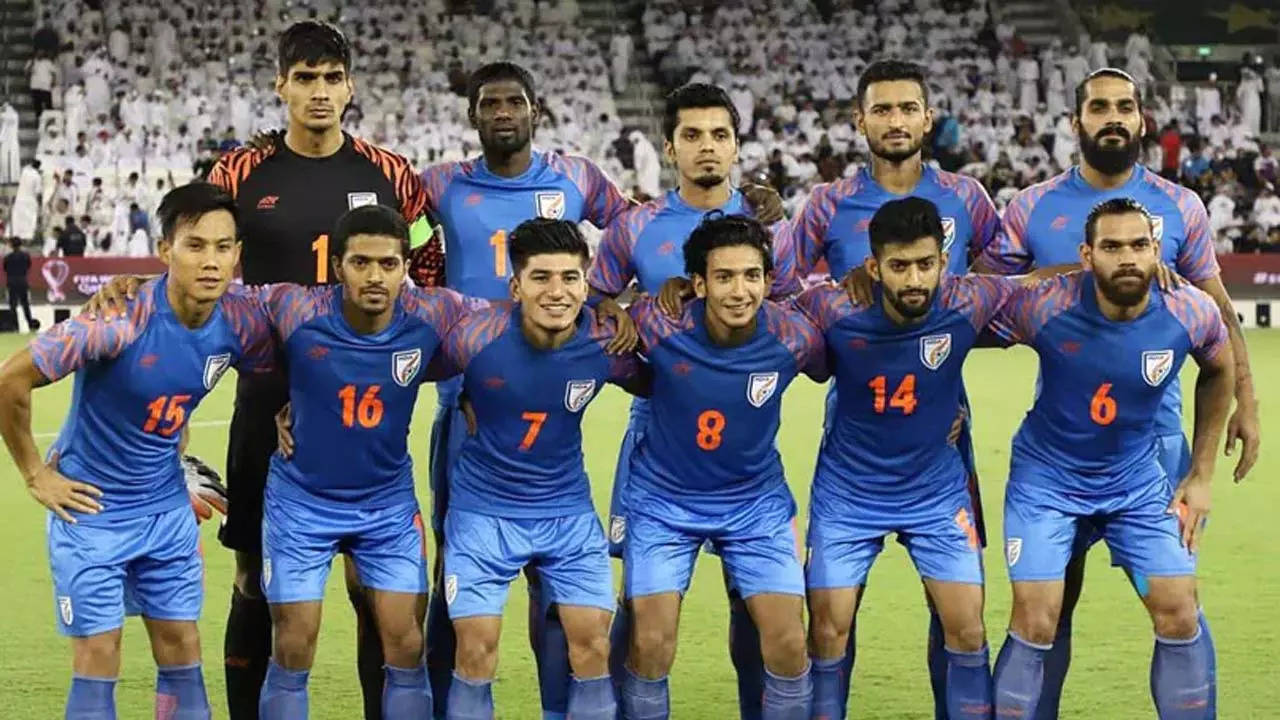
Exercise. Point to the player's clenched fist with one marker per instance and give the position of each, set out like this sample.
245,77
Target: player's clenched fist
54,491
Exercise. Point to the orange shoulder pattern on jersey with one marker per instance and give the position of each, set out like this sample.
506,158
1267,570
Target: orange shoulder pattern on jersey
232,169
408,185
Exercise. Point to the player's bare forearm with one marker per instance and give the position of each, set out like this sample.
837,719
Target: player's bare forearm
18,377
1213,404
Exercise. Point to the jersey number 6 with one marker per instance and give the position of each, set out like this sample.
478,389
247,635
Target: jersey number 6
1102,408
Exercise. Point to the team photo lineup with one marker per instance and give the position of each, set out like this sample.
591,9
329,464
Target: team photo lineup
337,279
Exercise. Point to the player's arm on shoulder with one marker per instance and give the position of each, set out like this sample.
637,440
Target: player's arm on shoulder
1007,252
786,279
631,373
811,352
986,222
808,229
1011,324
612,269
604,200
251,323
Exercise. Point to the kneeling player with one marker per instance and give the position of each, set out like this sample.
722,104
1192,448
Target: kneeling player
519,494
706,467
1109,345
120,524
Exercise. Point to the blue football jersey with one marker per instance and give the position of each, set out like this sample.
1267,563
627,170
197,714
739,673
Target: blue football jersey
1101,382
352,395
525,460
479,209
714,411
1044,226
137,382
646,243
834,220
898,387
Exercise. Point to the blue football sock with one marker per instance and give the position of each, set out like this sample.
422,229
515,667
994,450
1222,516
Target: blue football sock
936,658
592,699
744,651
787,698
1206,638
180,693
284,695
1018,678
644,699
619,643
1056,661
442,648
91,698
470,699
550,652
846,666
969,685
1180,678
828,703
405,693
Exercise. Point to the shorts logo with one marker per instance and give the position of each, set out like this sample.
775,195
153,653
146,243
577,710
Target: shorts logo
450,589
64,609
761,387
266,571
617,529
948,233
550,205
1157,227
577,393
214,366
404,366
360,199
934,350
1013,550
1156,365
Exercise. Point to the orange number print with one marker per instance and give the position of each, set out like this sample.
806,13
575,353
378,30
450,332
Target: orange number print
1102,408
535,420
499,242
962,519
321,248
169,409
904,398
368,412
710,425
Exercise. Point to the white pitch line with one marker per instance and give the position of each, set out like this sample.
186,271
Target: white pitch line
197,423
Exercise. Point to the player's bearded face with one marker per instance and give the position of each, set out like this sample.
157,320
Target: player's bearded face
202,255
1123,257
316,95
909,274
1110,126
704,146
895,119
371,271
735,285
551,289
504,117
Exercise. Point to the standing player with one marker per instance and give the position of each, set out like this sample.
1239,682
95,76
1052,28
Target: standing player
643,244
357,353
120,524
1083,460
885,464
706,467
1044,226
893,113
520,494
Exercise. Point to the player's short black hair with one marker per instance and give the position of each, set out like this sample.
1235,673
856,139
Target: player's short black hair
498,72
889,70
696,95
188,203
544,236
1082,89
312,42
1114,206
368,220
904,221
718,230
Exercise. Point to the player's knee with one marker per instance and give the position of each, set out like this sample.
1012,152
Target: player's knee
1174,616
98,655
402,648
828,635
295,641
968,636
1035,623
589,656
783,647
653,647
477,652
176,643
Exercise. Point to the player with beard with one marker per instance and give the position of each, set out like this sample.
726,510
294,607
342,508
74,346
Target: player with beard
1045,223
893,113
1083,461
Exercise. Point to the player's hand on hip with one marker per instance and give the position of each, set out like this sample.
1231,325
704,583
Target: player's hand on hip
1167,277
1244,427
468,414
284,430
672,294
1191,504
53,490
113,297
857,282
625,338
765,202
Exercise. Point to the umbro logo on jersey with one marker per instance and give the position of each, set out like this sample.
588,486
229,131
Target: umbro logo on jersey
214,366
404,366
550,205
474,199
494,383
360,199
761,387
318,352
862,225
666,248
577,393
682,368
1059,223
148,361
858,344
934,350
268,202
948,233
1156,365
1070,347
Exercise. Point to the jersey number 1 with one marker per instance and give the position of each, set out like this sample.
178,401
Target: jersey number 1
498,241
321,248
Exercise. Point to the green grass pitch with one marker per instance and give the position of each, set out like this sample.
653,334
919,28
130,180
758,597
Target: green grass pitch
1240,581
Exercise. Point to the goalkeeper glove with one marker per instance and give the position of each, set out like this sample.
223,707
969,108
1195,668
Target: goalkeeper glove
205,488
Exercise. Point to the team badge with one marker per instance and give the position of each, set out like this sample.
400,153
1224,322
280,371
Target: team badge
550,204
577,393
948,233
1156,365
934,350
1157,227
617,529
64,609
214,366
360,199
450,589
1013,550
761,387
266,571
404,366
